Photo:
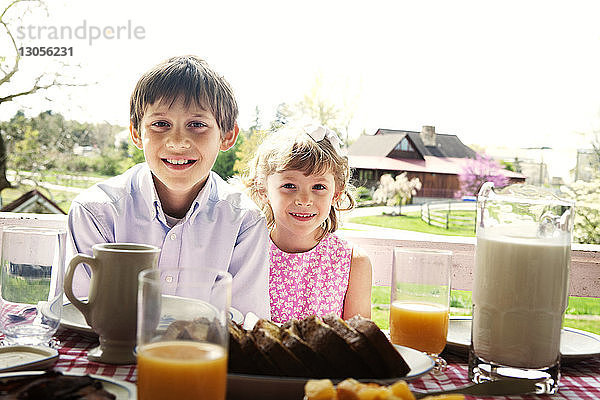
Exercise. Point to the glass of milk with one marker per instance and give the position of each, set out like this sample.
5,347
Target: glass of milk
521,283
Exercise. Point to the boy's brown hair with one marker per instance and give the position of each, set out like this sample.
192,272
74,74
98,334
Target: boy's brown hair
189,78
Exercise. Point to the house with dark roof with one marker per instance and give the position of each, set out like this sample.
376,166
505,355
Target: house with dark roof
436,159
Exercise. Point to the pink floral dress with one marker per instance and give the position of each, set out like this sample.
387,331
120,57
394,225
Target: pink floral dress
314,282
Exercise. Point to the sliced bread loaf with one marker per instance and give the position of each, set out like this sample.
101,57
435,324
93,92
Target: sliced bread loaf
373,367
393,361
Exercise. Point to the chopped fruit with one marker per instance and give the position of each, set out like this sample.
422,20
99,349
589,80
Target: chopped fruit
351,389
321,389
400,389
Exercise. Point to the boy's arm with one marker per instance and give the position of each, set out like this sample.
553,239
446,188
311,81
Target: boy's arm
84,231
249,267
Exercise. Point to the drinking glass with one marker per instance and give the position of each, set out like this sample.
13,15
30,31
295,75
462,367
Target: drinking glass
182,333
420,302
520,284
31,289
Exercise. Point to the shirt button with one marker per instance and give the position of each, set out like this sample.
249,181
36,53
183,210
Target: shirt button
168,278
173,236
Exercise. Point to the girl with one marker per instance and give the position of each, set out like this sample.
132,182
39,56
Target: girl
301,180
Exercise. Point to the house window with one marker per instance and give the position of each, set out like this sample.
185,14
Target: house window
403,145
365,175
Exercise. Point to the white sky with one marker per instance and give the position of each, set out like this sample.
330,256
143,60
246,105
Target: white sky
496,73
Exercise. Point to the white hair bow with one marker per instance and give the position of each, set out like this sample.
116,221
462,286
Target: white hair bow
318,133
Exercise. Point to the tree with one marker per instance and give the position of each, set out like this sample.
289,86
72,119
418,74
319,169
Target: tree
586,227
397,191
316,108
248,141
478,171
225,162
10,67
246,151
596,147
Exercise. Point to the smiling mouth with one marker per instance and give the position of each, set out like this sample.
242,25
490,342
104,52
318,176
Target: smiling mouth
302,215
177,162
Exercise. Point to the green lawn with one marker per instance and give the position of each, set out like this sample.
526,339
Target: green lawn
413,222
460,300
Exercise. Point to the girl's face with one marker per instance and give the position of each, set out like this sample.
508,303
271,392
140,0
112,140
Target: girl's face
300,205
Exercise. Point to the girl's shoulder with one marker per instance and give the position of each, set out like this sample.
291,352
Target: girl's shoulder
359,256
335,239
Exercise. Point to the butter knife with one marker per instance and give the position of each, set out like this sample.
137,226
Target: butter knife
504,387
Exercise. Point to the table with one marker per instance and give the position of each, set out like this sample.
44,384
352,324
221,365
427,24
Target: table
580,380
73,348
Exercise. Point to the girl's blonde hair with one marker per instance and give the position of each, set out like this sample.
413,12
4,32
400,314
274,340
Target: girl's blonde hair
291,148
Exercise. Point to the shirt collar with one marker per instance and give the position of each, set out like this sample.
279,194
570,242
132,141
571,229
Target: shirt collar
152,201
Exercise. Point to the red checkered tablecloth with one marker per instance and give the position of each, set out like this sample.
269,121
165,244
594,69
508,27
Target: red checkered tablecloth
579,381
73,347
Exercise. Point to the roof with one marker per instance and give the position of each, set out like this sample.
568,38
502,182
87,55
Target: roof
431,164
29,200
384,141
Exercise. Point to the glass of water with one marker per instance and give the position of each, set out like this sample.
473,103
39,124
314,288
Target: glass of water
31,285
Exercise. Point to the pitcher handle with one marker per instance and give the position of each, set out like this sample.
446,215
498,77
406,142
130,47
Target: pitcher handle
75,261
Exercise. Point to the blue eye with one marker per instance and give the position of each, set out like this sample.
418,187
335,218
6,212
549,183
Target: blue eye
288,186
320,187
198,124
160,124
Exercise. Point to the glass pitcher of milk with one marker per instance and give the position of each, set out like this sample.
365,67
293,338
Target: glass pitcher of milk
521,283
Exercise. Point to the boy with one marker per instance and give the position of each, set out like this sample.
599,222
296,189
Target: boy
182,114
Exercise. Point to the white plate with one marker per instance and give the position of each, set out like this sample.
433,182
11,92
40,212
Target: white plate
18,358
121,389
271,387
574,343
74,320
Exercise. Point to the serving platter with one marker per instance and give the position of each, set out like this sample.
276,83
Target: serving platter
241,386
122,390
74,320
575,344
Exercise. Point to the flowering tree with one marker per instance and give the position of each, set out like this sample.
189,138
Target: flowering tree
396,191
586,228
478,171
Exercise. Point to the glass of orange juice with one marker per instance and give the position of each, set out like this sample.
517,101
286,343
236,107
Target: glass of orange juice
420,302
182,336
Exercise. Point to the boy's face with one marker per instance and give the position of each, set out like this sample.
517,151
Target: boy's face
180,145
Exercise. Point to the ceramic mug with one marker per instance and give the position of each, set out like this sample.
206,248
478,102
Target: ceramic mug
111,310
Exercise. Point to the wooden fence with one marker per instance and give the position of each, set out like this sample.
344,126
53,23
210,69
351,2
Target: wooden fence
439,213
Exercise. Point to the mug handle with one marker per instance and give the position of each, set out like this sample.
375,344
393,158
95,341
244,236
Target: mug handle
75,261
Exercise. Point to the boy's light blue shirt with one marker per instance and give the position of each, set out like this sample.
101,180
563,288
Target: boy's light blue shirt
223,229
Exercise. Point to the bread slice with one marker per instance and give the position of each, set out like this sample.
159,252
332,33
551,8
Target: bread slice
373,367
244,355
324,341
316,365
393,361
268,339
238,360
